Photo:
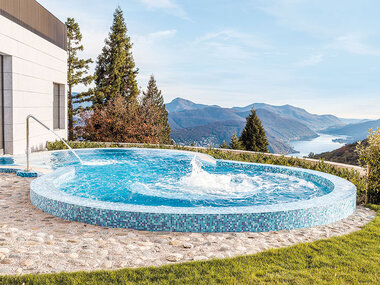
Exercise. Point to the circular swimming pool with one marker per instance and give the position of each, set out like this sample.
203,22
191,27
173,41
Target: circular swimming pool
170,190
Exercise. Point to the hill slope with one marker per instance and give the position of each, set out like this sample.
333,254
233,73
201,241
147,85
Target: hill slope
204,116
215,133
346,154
354,132
213,125
314,122
180,104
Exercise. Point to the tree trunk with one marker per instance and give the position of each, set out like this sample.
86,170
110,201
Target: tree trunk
367,186
70,114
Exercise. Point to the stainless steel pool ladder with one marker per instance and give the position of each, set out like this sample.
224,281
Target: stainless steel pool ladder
46,127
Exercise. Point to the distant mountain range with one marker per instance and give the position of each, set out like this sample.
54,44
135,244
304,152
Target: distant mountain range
354,132
210,125
207,125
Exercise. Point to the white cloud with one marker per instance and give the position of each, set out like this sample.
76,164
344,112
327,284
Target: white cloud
168,6
234,36
354,44
311,60
161,34
230,44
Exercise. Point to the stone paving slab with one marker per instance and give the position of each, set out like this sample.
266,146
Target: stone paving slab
32,241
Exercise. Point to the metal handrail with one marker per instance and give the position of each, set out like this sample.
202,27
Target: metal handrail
50,130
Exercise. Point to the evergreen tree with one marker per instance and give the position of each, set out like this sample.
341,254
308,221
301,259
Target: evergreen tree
115,72
253,137
155,111
236,143
223,145
77,69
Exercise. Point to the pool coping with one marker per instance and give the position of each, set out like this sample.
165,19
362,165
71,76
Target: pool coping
342,190
337,204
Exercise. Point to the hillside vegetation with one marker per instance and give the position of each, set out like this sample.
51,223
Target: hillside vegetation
346,154
211,125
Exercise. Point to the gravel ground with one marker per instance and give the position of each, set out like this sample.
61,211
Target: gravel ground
32,241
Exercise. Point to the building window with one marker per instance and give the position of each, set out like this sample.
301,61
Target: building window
59,106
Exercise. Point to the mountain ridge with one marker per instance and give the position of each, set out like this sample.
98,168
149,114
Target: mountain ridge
211,125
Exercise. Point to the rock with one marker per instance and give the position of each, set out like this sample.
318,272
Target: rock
46,252
19,270
74,255
174,257
37,239
199,258
187,245
241,248
175,242
4,250
224,248
87,251
161,241
28,263
107,264
103,252
6,261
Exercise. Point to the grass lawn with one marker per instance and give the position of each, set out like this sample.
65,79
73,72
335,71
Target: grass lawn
351,259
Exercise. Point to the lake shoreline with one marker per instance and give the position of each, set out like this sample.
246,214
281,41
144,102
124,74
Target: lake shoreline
321,143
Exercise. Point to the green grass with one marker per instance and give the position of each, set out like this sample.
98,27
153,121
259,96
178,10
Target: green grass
350,259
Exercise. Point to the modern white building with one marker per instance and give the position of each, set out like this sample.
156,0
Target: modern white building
33,71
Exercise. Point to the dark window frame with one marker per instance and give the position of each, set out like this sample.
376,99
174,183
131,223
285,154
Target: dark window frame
59,109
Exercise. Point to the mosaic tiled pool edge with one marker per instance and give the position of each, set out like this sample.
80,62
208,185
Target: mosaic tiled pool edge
336,205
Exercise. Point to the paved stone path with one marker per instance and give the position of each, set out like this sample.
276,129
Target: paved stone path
32,241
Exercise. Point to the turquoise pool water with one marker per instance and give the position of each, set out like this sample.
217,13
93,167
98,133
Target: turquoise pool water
176,179
169,190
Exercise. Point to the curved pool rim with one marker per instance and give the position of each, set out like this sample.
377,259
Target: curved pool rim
334,206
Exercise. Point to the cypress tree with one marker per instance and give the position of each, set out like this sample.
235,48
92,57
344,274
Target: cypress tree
115,72
253,137
155,111
77,69
236,143
223,145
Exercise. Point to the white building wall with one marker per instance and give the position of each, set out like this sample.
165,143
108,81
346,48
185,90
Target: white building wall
31,66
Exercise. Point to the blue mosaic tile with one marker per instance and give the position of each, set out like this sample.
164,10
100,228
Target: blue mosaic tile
24,173
336,205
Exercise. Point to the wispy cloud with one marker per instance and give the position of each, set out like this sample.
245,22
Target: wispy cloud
311,60
354,44
230,44
168,6
230,35
151,37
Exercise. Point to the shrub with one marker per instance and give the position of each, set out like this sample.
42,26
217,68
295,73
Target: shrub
119,121
369,156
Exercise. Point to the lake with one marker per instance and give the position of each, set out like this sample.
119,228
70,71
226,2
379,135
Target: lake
320,144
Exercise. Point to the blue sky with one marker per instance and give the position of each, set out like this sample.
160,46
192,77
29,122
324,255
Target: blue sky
320,55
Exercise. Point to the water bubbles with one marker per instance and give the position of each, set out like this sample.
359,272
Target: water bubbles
179,179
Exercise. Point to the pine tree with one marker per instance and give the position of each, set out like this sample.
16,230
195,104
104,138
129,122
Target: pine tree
223,145
77,69
115,72
253,137
236,143
155,111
